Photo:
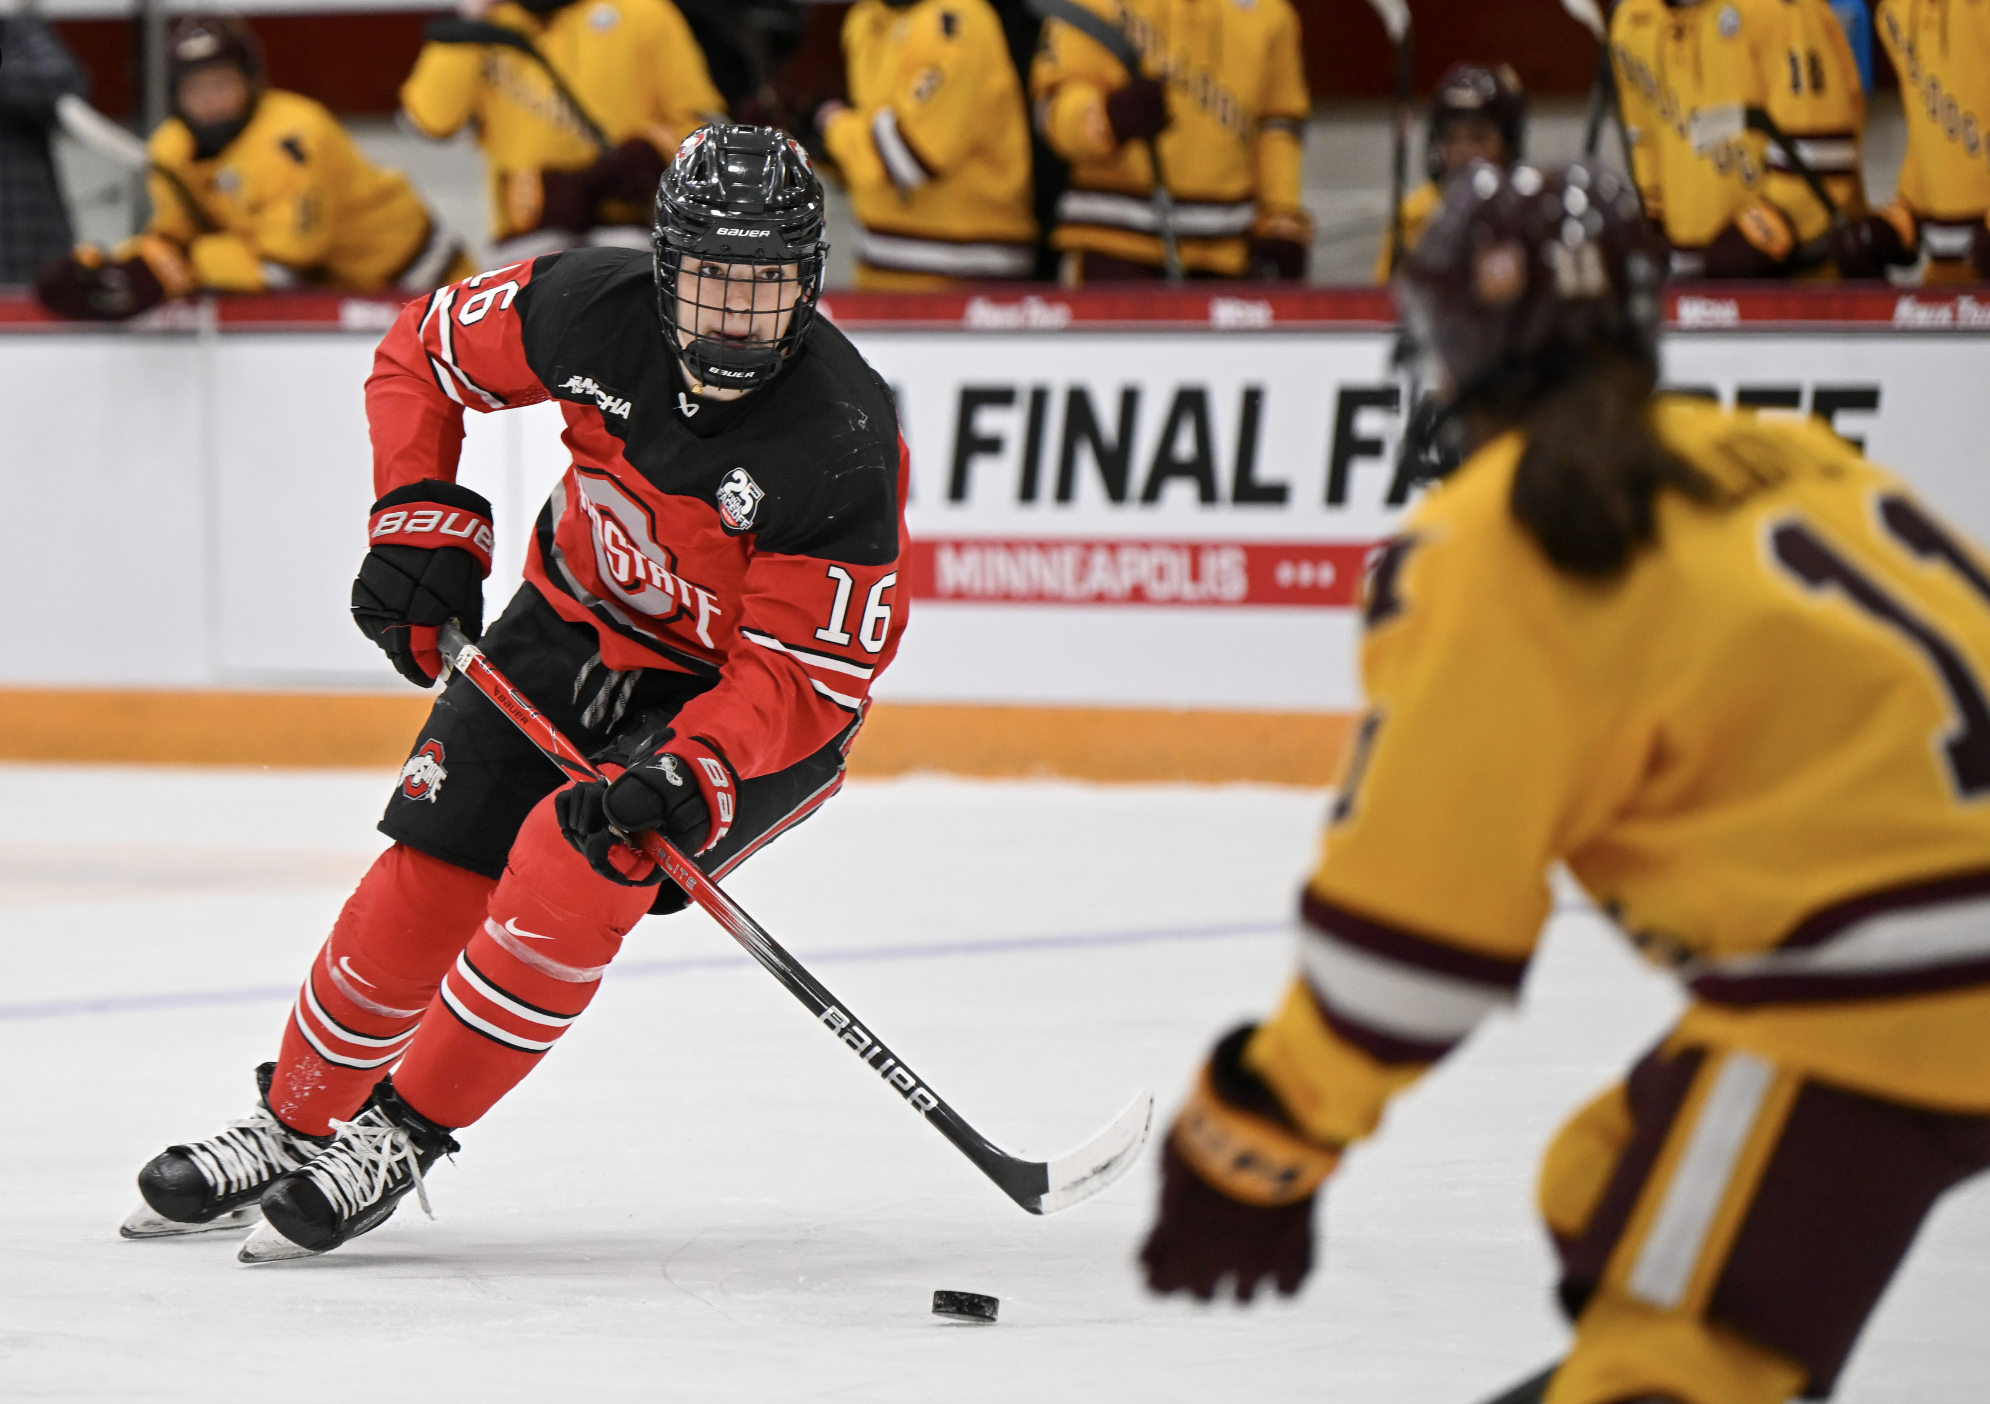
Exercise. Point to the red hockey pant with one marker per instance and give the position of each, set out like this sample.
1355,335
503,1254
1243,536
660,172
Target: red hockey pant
467,982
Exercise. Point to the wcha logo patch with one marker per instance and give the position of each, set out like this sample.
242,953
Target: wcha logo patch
422,776
739,499
606,400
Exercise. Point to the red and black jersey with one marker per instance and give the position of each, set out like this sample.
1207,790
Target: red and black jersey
754,543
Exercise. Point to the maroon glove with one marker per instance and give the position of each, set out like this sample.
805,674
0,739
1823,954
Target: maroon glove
568,201
1731,255
1278,258
1867,247
1979,250
1238,1181
1137,111
102,292
629,173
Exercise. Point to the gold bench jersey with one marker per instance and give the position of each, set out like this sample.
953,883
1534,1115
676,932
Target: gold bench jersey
633,63
1765,750
1237,104
1786,57
935,146
290,189
1941,50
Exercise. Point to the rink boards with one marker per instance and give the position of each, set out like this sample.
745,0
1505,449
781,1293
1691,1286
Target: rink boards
1132,505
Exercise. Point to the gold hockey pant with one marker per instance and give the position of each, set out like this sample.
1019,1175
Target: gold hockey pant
1726,1225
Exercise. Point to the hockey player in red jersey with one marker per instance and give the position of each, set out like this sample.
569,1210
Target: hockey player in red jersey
710,593
1732,676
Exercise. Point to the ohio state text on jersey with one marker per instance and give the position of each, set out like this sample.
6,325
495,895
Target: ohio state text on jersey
753,543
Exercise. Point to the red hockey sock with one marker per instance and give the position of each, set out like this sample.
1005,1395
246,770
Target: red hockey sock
554,925
370,984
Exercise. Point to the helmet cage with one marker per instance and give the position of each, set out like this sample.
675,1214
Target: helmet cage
737,205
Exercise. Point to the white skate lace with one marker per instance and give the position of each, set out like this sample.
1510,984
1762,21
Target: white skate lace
355,1171
249,1152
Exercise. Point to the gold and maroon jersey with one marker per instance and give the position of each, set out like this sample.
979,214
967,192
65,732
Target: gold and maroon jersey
1678,66
935,145
1764,751
1941,50
633,64
292,196
751,544
1237,108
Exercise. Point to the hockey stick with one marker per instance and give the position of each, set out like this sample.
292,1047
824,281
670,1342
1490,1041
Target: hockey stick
1395,17
1042,1187
1114,41
467,31
89,127
1712,127
1603,98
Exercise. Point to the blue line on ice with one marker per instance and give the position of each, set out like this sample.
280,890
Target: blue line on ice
1000,945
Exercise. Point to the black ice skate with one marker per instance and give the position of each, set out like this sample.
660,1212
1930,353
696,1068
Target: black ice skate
211,1185
352,1185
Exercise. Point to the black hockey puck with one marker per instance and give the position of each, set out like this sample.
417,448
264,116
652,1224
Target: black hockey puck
965,1306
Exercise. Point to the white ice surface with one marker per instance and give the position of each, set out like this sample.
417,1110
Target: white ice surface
699,1197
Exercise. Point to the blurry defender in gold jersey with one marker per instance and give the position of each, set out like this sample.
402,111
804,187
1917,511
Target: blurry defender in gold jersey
1734,677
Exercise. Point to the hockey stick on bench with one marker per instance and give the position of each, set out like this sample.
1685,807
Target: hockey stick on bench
1042,1187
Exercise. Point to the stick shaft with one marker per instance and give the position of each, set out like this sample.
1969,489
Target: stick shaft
1025,1182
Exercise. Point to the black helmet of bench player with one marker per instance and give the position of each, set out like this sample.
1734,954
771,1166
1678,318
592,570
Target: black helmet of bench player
739,251
1490,92
1523,278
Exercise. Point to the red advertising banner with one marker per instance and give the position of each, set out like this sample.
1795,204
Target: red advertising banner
1058,572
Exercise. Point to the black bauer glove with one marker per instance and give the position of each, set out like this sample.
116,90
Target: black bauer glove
430,551
674,793
1238,1181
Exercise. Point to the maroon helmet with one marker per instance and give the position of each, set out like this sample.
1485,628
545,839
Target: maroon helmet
200,40
1488,90
209,41
1521,278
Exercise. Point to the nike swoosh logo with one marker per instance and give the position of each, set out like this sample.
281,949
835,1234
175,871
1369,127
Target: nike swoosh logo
345,964
513,928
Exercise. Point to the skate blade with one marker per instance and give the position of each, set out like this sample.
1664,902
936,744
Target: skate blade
266,1245
146,1222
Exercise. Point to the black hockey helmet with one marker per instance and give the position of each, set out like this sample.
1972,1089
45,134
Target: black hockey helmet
1522,278
1488,90
744,201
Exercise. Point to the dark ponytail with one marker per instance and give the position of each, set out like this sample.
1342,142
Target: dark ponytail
1593,467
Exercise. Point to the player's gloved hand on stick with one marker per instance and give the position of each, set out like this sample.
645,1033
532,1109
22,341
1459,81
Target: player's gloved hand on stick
1280,245
1238,1181
1867,247
677,793
430,549
1137,111
87,287
1756,245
